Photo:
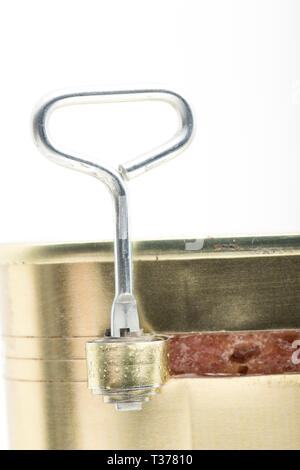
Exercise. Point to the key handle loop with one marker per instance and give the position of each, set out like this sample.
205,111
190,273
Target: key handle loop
124,311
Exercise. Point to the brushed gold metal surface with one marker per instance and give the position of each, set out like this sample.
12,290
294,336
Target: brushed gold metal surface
236,413
228,284
44,370
55,298
120,364
45,348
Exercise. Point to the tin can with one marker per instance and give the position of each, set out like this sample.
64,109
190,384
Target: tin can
56,298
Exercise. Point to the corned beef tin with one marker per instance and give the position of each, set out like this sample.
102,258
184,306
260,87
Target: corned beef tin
230,309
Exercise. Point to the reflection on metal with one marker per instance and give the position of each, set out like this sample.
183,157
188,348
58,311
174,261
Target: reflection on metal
129,370
66,290
239,413
57,297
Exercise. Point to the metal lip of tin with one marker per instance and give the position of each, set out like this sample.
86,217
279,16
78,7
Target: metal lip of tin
218,247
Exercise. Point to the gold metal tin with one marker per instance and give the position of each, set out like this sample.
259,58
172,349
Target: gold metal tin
55,298
239,413
183,285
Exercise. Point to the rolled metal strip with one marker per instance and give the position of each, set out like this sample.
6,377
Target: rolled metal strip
129,369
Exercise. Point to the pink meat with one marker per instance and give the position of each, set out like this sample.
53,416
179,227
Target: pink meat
235,353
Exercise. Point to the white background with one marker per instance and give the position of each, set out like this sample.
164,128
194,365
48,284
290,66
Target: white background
237,62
